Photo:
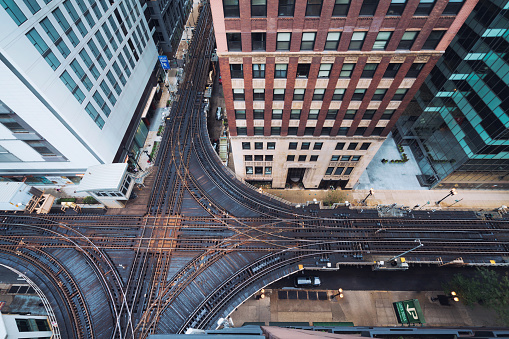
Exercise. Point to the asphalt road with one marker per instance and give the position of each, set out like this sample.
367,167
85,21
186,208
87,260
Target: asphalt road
364,279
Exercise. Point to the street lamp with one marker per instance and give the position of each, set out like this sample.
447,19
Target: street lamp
371,192
451,192
444,299
339,294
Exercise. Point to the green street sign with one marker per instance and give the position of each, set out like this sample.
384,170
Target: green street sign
409,312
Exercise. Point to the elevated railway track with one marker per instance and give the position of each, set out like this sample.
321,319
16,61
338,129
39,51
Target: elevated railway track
207,240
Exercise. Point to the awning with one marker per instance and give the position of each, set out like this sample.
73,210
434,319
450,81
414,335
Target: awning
149,101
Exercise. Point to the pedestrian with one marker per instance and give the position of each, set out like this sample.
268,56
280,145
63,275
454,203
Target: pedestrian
58,189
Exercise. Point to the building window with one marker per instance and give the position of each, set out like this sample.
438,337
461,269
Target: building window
240,114
356,158
424,7
332,42
348,171
246,145
14,12
303,70
231,8
377,131
101,103
350,114
72,86
387,114
268,170
92,112
309,130
326,131
258,170
286,7
277,114
343,131
259,71
258,145
258,41
414,70
331,114
283,41
325,70
338,170
302,157
278,94
295,114
271,145
335,158
339,93
298,94
381,40
317,146
258,114
249,169
400,94
281,71
379,94
308,41
433,39
314,7
238,94
365,146
290,158
313,158
258,8
357,40
236,71
360,130
453,7
305,146
346,70
397,7
270,156
258,94
368,7
275,131
358,94
248,158
234,41
407,40
329,170
318,94
352,146
346,157
292,130
369,70
341,8
258,158
369,114
241,130
340,146
313,114
32,5
392,70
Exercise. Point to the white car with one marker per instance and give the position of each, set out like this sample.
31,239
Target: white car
219,114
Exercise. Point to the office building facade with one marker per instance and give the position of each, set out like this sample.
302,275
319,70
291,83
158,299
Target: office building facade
73,79
312,88
458,125
168,19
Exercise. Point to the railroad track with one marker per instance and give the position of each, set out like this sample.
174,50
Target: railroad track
208,240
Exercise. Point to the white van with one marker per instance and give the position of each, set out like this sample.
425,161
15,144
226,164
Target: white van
219,115
307,281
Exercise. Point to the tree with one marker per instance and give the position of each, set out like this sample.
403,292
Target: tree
333,197
487,288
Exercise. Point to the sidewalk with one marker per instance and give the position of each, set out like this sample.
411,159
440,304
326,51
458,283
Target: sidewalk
363,308
466,199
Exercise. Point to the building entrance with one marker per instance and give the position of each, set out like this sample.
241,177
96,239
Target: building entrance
295,176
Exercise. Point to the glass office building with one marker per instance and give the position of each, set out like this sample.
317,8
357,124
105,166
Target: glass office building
457,124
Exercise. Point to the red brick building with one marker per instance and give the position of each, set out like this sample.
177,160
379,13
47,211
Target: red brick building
313,87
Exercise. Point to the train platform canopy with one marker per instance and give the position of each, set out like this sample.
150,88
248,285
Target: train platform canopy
103,177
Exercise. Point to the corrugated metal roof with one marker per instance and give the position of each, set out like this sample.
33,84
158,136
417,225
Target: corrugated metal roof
223,149
14,196
103,177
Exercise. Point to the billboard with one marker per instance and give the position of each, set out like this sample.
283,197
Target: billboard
409,312
163,60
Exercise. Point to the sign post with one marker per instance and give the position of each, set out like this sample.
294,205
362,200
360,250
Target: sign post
409,312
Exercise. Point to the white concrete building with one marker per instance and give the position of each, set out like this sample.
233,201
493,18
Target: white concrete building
73,78
16,326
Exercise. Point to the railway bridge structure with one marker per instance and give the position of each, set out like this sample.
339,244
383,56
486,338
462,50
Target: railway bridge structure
207,241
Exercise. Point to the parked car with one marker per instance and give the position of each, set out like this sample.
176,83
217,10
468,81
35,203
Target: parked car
219,114
307,281
220,80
